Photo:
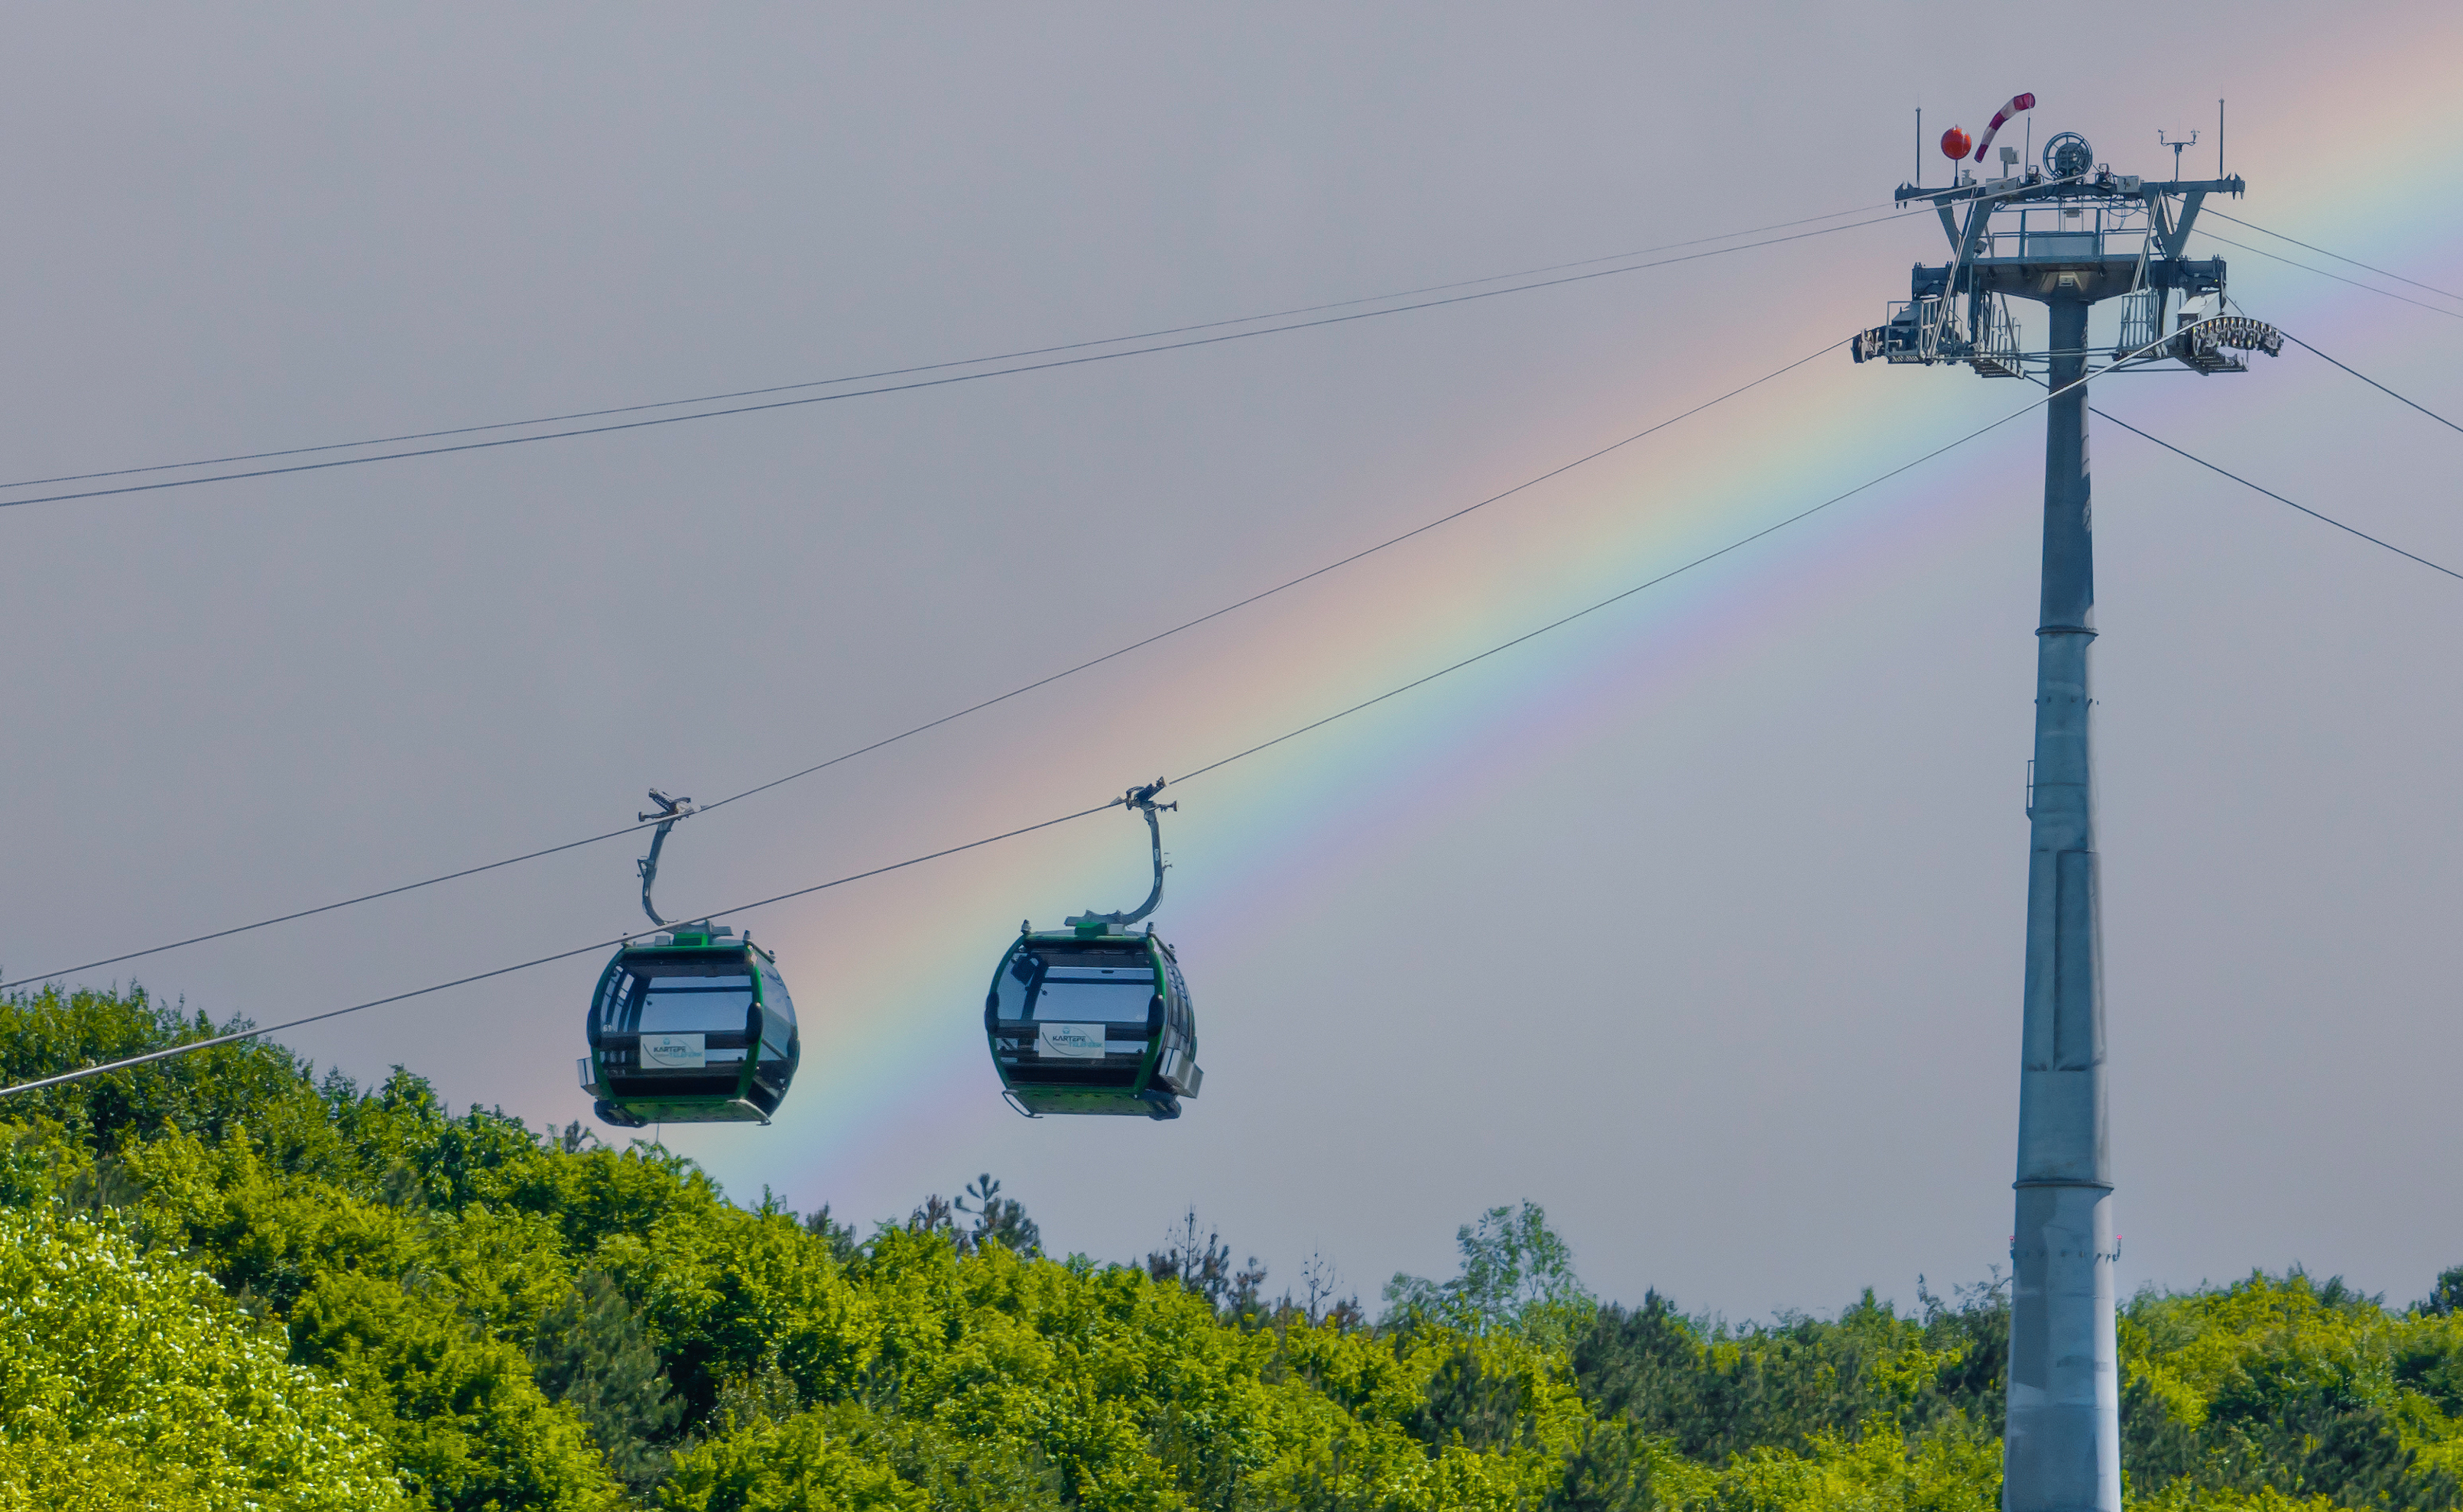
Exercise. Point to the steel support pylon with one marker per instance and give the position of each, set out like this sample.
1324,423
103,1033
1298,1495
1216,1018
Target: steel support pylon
2061,1443
2069,233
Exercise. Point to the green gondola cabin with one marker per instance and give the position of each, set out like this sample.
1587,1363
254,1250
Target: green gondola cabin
1093,1019
691,1027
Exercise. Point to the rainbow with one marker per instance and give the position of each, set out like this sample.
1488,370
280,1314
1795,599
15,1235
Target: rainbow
906,1067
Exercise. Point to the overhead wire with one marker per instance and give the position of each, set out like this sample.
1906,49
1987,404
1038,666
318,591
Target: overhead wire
252,1033
2304,509
1317,572
934,724
2372,383
924,367
2323,253
2316,515
325,908
2292,262
1187,624
236,1036
2046,398
1612,599
924,382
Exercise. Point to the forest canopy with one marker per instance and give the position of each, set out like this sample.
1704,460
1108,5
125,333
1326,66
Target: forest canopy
227,1283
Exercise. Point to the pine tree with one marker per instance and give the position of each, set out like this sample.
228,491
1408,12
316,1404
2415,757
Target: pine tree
593,1353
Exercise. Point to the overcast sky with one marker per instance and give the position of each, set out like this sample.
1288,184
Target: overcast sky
1698,921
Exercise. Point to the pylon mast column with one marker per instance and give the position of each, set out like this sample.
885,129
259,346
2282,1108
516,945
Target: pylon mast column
2061,1443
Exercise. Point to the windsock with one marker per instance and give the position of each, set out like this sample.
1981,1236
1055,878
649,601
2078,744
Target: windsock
2001,118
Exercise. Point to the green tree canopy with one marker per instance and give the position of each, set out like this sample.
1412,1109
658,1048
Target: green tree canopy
1517,1277
130,1381
226,1283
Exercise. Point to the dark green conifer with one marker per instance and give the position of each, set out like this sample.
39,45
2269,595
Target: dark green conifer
594,1355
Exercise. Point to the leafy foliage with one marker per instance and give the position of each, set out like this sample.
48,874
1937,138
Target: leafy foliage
2295,1387
2446,1297
1714,1391
129,1382
997,1217
206,1092
227,1283
1517,1278
1204,1266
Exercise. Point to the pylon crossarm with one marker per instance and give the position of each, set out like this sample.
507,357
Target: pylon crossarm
2081,186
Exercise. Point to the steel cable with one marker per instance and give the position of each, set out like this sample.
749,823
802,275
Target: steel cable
934,724
2323,274
920,383
253,1033
2304,509
924,367
2049,395
2371,381
2277,497
2323,253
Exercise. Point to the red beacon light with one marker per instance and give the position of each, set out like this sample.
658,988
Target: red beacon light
1955,143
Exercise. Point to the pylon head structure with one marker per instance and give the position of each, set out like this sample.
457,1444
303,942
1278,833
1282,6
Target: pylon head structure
2067,229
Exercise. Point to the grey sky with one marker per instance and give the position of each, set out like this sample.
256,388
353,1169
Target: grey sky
1698,924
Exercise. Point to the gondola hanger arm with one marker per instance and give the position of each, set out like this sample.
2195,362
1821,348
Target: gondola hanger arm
1140,800
669,811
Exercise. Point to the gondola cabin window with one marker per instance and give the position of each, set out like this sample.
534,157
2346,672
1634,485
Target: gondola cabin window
668,997
1096,985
